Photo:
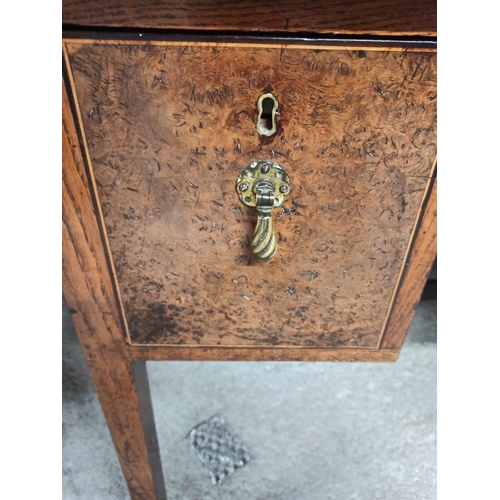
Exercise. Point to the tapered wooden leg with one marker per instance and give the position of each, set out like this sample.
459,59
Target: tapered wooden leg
122,385
148,423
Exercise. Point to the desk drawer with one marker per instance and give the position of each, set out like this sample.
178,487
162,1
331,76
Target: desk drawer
168,129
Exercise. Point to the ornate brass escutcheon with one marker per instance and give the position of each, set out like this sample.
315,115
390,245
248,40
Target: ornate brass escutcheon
263,185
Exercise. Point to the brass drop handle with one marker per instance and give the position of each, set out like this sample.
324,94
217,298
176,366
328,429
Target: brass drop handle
263,185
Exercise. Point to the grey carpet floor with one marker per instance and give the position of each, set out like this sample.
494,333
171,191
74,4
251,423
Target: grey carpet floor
315,431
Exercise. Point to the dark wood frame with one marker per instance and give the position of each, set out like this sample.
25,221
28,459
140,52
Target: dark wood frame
362,17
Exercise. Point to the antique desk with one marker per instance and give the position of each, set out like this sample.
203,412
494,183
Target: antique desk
242,180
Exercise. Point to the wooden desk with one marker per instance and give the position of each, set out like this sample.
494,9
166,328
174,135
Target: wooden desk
160,128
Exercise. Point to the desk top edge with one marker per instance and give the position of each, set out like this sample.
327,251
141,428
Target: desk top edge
338,17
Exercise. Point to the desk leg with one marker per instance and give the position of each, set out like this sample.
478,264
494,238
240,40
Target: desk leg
123,390
122,385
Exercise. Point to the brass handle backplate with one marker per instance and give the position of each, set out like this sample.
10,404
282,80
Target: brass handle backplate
263,185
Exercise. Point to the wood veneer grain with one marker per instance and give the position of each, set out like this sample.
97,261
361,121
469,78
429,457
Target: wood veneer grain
170,127
87,287
418,265
180,353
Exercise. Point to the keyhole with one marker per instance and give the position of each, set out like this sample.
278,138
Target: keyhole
266,122
266,117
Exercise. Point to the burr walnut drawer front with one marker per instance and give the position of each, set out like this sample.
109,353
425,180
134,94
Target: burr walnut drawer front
168,130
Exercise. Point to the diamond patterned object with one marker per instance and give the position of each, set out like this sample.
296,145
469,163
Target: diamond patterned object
220,451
